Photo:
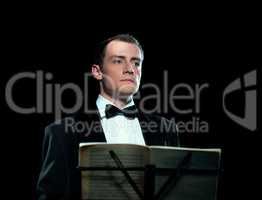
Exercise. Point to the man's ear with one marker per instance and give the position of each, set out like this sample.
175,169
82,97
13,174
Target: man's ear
96,72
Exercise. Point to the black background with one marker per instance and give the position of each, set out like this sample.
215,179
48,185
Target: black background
192,50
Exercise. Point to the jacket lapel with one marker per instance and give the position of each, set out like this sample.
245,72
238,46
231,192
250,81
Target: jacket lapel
92,131
143,121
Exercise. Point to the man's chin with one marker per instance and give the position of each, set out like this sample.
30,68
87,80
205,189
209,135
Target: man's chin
127,92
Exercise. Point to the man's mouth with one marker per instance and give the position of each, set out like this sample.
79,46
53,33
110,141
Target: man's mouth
128,80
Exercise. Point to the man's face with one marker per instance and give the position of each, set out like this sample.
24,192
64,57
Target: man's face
121,69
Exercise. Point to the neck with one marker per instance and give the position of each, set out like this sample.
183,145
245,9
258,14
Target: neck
120,103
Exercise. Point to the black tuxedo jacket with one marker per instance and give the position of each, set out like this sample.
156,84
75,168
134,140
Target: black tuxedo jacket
59,177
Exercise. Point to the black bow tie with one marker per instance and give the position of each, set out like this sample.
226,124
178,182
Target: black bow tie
129,112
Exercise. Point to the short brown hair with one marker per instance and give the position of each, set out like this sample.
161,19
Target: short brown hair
100,51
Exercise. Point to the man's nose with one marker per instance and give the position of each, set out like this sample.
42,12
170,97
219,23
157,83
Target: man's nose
129,68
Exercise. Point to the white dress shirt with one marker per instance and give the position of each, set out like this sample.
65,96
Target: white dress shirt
119,129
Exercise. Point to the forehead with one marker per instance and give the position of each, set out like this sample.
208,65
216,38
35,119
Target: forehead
122,49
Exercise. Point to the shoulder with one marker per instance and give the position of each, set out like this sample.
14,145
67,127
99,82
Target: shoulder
60,128
71,126
56,126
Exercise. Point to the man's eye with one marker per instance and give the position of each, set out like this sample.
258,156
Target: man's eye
137,64
117,61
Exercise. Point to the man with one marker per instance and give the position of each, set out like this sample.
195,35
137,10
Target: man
118,70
